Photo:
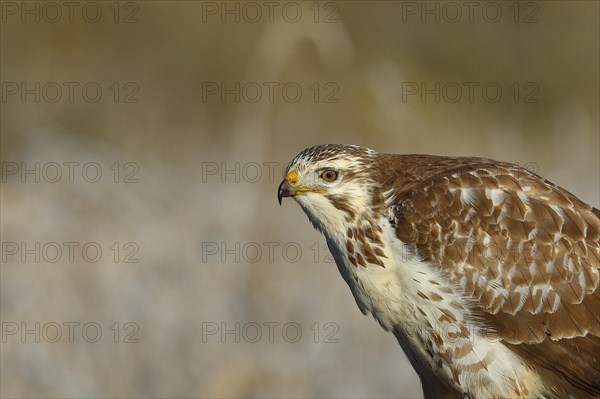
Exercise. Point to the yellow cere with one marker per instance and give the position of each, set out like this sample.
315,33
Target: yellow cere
292,178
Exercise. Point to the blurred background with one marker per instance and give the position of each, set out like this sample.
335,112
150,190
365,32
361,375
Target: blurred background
143,250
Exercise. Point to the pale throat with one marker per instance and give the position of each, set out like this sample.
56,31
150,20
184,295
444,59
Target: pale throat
324,216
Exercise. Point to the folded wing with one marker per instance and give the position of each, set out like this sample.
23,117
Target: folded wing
526,250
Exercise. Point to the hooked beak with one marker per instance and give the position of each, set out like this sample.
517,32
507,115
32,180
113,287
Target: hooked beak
285,190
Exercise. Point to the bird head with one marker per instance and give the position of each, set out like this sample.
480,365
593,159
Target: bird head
332,183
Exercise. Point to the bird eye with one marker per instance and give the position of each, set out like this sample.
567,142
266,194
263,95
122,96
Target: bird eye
329,175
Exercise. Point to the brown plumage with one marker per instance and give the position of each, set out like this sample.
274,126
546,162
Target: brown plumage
542,237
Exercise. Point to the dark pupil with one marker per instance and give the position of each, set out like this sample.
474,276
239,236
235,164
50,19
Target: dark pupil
329,175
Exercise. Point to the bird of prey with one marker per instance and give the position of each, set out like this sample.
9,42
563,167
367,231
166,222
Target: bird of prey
486,273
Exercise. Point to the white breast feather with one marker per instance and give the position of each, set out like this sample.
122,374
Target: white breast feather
391,295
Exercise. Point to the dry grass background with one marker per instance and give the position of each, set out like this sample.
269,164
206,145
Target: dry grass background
171,133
